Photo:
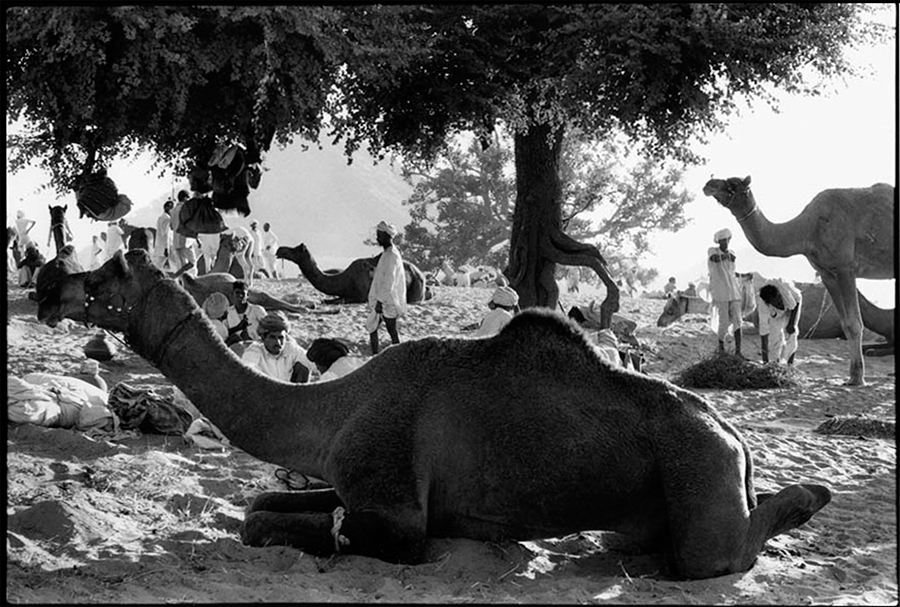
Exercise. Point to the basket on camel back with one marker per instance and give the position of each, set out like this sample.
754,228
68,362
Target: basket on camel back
97,196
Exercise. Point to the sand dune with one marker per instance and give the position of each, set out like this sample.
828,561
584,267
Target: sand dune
153,518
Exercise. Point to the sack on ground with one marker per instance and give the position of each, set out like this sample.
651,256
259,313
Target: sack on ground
147,411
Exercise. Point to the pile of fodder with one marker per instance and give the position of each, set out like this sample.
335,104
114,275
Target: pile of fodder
858,425
726,371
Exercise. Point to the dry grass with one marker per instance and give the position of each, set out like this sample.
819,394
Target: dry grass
858,425
730,372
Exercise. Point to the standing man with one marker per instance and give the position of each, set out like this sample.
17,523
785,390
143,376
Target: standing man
23,227
387,294
779,316
115,239
162,245
725,290
270,246
257,258
182,251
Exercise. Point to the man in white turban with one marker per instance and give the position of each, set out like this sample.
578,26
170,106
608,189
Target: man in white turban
278,355
725,289
503,305
387,293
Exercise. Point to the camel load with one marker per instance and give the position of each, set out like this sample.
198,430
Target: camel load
524,435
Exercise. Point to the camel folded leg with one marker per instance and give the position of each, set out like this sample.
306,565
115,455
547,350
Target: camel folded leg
309,521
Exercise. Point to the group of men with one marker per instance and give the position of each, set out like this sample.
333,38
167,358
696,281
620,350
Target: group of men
175,250
778,303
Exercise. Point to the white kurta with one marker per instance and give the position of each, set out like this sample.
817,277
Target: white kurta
388,287
492,322
280,366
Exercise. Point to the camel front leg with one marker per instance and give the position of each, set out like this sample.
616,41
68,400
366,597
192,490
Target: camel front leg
394,534
841,287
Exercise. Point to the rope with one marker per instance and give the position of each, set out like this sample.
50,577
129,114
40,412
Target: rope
822,310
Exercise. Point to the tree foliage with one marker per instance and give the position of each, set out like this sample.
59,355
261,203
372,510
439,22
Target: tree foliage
104,79
93,82
461,209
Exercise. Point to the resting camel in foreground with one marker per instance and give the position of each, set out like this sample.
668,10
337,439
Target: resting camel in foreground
520,436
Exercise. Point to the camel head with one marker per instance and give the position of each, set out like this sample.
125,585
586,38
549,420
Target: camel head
113,290
299,254
733,193
673,310
60,288
233,242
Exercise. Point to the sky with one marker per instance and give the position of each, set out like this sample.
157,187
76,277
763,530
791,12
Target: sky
846,137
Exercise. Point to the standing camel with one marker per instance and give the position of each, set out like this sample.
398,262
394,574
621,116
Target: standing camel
421,442
845,234
59,227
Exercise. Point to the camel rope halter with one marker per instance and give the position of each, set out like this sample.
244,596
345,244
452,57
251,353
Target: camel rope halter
750,212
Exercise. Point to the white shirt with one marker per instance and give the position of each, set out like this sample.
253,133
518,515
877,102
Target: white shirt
341,367
114,241
723,284
280,366
270,242
163,225
772,315
389,284
253,314
493,321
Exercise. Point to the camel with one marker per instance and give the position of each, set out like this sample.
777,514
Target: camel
59,227
235,254
138,238
423,441
201,287
680,304
60,287
351,285
845,234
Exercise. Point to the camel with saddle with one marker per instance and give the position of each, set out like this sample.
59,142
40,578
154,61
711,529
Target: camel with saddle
424,442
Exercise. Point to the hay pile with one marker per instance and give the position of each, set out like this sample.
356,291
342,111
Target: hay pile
858,425
725,371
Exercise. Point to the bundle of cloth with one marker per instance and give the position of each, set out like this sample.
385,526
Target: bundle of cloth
58,401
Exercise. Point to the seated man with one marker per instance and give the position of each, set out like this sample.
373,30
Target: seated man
779,315
243,317
503,305
216,307
278,355
332,359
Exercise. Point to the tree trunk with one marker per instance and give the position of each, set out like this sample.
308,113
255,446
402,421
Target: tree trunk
537,242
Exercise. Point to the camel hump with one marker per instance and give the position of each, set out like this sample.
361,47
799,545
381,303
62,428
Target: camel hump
540,325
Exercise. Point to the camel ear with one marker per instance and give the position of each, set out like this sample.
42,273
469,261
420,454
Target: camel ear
65,208
747,180
120,264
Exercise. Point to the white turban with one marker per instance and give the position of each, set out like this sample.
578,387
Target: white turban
216,305
505,296
723,233
386,228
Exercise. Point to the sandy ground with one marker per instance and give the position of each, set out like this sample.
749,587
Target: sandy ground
153,518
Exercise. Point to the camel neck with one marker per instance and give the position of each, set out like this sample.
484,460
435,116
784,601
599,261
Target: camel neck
771,239
248,407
